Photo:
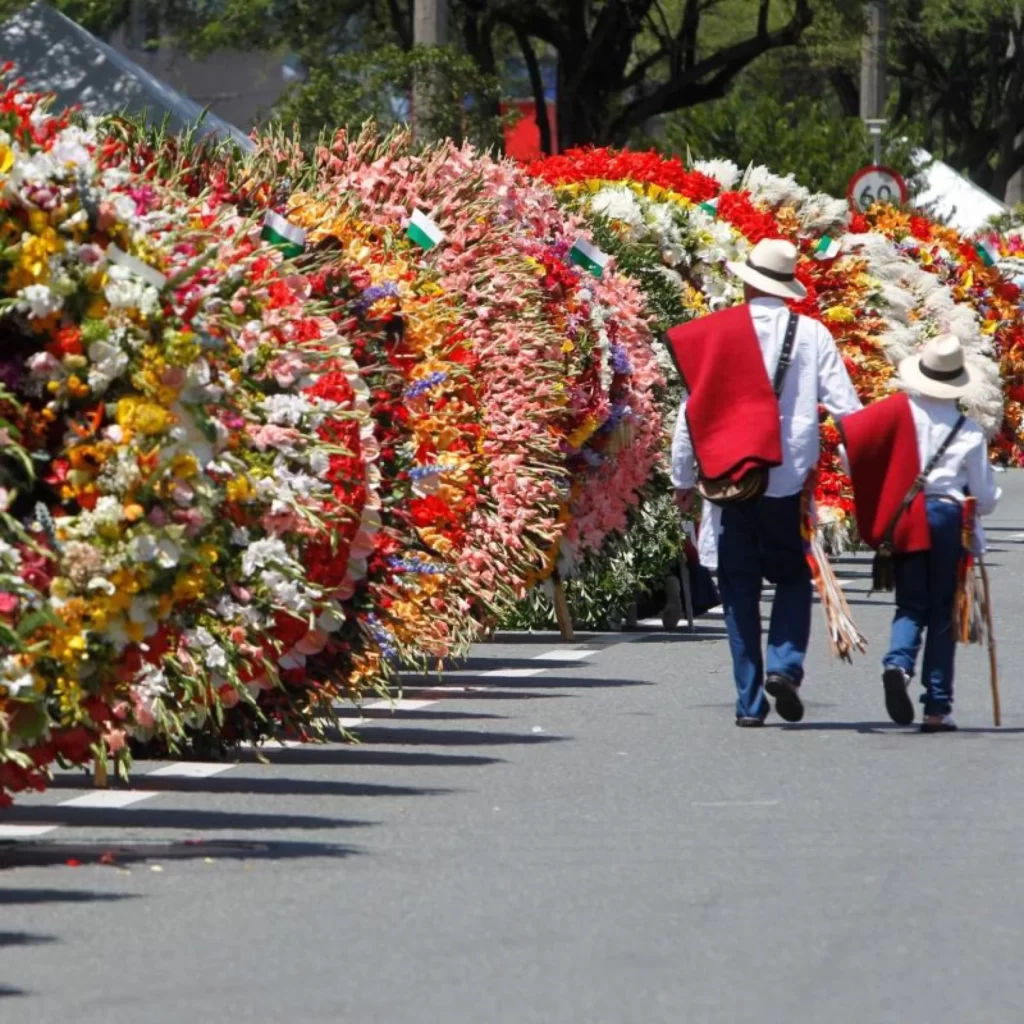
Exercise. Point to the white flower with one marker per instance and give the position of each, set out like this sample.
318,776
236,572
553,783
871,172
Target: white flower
203,640
265,552
725,172
125,291
620,205
286,410
150,684
39,301
240,536
146,548
108,364
319,462
101,584
45,365
69,148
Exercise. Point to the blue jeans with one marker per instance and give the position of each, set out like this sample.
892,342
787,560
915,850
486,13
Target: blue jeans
926,584
761,540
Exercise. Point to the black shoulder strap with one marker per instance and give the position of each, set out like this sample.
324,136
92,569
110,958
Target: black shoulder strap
922,479
786,355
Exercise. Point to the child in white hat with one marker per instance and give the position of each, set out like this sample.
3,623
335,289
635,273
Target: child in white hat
914,459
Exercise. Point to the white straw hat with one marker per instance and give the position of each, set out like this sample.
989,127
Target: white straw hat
771,268
938,370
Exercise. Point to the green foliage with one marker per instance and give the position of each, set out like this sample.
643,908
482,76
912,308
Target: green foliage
626,567
805,136
1011,220
348,90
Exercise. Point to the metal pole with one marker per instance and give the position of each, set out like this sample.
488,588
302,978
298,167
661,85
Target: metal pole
429,28
874,83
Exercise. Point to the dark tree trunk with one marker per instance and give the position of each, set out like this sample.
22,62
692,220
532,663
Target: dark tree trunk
540,102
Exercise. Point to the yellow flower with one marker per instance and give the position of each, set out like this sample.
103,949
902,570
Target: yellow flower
240,489
6,158
142,417
189,586
840,314
185,466
208,554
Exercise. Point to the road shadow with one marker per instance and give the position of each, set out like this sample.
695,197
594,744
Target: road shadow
125,854
157,818
6,991
236,784
21,897
24,939
875,728
353,754
383,735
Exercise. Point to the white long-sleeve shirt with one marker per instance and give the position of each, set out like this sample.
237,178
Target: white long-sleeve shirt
964,467
816,376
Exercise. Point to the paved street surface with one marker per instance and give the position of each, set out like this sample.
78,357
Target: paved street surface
571,833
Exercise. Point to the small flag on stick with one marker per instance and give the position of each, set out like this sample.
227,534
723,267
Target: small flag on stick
282,234
827,248
710,207
589,257
987,253
423,231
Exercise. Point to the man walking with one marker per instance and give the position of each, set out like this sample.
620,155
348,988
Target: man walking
748,436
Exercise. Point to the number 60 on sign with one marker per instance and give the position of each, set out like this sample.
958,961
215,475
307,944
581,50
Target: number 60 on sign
876,184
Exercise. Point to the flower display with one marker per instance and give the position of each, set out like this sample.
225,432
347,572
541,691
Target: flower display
162,370
245,477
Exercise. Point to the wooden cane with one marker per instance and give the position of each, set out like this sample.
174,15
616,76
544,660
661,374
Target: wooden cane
997,716
684,574
562,615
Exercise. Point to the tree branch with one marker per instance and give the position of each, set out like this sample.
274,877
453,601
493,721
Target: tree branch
708,78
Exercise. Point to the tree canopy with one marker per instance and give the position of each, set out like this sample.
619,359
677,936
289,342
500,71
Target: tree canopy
695,68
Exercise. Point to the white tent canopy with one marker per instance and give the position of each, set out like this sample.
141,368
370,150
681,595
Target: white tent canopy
53,54
953,198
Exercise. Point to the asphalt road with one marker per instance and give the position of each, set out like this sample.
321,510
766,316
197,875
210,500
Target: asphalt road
563,841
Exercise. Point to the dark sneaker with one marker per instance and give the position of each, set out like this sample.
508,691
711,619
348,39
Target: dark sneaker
673,604
749,721
897,699
787,698
938,723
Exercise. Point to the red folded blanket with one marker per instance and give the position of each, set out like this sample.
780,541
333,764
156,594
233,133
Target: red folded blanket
732,411
881,446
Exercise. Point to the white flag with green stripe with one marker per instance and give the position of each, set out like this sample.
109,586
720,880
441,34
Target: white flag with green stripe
423,231
827,248
284,235
589,257
988,252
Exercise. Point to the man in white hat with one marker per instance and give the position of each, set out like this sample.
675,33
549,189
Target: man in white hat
749,411
914,458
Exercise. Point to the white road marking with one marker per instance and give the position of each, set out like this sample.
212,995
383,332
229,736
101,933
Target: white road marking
511,673
564,655
109,799
190,770
735,803
25,831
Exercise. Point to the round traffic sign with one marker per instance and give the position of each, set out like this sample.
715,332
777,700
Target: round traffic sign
876,184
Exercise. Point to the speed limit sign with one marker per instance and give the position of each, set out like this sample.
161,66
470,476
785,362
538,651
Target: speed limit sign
876,184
